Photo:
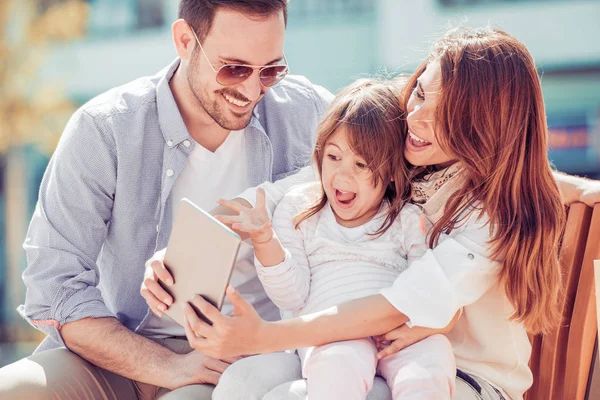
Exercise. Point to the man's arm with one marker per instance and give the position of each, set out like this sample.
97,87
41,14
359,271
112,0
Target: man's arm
575,188
105,342
67,231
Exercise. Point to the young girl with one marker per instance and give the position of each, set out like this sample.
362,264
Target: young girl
347,237
477,135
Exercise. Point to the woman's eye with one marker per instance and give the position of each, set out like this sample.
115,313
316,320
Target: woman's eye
417,94
332,157
361,165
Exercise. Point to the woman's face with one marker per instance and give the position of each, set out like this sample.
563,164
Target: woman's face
422,148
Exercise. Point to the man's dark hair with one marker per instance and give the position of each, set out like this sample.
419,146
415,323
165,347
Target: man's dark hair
200,13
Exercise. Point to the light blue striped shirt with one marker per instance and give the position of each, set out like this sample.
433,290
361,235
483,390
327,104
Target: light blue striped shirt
104,203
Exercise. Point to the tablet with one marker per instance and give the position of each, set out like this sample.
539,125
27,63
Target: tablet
200,256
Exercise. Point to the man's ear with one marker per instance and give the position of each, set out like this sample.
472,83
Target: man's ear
183,39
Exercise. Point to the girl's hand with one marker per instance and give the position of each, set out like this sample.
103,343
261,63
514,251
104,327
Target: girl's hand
254,221
403,336
240,334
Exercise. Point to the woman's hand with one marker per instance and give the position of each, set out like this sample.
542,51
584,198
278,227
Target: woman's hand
403,336
400,338
228,336
254,221
590,193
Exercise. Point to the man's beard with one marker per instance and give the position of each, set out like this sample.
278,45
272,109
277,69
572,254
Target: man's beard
213,107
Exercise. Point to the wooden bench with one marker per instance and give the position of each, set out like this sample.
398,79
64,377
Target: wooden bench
562,361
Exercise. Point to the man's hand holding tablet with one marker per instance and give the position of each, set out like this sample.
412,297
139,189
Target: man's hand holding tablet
198,260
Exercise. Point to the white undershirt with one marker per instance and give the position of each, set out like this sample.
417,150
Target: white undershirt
207,177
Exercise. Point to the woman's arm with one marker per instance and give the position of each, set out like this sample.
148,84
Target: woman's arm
454,274
575,188
244,332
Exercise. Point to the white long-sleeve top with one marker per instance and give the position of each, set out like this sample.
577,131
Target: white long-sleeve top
458,272
327,264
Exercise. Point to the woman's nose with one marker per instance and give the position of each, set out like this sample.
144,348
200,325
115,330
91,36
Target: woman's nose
417,117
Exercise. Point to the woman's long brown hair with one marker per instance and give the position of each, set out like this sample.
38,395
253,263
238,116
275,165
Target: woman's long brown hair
491,117
369,111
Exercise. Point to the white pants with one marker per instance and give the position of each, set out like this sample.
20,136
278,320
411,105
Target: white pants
345,370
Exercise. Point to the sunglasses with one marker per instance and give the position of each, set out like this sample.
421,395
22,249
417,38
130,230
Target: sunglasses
232,74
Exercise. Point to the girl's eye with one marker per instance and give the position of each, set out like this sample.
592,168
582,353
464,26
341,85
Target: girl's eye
332,157
417,94
361,165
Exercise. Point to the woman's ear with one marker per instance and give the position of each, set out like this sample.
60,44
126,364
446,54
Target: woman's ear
183,39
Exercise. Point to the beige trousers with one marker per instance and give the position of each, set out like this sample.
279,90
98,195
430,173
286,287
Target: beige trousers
60,374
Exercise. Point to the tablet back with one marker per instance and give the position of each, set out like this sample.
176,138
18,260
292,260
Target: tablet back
200,256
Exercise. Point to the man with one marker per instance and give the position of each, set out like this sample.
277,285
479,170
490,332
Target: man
216,121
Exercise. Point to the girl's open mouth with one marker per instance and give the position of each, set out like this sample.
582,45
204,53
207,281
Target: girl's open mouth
344,199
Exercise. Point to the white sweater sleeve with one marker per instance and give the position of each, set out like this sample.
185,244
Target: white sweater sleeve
412,239
456,273
276,190
287,284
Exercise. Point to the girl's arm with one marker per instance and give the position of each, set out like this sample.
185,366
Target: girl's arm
281,261
286,282
454,274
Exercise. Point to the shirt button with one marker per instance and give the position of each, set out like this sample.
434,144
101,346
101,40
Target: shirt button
169,172
471,256
157,229
187,143
170,143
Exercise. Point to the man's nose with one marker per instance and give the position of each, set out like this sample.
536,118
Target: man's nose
251,88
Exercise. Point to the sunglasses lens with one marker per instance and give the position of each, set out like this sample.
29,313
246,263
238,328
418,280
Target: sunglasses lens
271,75
232,74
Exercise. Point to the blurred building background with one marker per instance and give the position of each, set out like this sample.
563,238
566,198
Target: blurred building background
56,54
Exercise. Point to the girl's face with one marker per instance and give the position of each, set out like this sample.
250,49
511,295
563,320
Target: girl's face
348,183
422,148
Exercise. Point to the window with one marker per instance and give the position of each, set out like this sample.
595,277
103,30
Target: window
311,9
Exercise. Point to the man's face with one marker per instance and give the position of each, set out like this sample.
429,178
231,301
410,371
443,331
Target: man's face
235,38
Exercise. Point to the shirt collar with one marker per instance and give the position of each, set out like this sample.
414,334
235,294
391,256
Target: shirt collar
171,123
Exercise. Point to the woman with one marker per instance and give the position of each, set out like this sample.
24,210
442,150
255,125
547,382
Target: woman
477,140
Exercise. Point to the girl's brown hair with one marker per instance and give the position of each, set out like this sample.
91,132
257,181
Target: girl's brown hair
375,126
491,117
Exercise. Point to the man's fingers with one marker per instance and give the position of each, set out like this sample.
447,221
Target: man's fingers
210,376
231,360
161,271
215,365
158,292
155,305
